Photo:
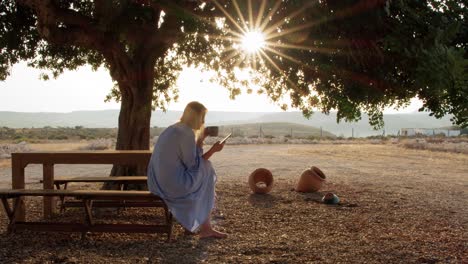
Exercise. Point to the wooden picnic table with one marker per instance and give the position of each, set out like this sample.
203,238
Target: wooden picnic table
20,161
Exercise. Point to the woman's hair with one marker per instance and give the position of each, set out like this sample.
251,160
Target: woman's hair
192,116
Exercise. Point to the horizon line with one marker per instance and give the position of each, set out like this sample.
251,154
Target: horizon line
176,110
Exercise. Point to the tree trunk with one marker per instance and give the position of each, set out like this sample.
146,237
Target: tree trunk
134,120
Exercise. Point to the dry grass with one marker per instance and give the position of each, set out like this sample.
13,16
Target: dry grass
397,206
456,145
99,144
58,146
5,163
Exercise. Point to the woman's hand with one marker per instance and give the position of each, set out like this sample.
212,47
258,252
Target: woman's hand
217,146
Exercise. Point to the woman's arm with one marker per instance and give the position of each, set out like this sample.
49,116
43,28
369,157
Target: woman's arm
215,148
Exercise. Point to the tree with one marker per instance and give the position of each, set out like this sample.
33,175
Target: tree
349,55
135,40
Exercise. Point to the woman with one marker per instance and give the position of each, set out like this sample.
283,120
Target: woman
180,173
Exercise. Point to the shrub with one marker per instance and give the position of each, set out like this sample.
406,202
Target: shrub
448,145
58,137
7,149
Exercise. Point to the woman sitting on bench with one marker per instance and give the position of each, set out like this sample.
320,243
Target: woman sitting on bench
180,173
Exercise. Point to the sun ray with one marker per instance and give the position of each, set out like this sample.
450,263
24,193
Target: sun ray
233,54
237,34
250,59
230,31
212,23
287,45
292,59
228,16
239,13
258,60
230,49
238,37
300,47
284,55
239,61
272,11
253,57
340,14
260,14
278,69
273,27
254,60
251,22
290,30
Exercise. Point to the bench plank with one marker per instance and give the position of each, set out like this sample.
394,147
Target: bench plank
82,194
122,181
65,179
77,193
121,204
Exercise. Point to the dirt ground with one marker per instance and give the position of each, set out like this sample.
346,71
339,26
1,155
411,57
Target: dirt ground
397,206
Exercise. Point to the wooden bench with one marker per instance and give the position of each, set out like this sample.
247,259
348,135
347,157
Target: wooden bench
121,181
87,197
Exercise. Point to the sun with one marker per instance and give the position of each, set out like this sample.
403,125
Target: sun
253,41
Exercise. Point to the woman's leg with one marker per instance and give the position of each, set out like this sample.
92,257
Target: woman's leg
206,230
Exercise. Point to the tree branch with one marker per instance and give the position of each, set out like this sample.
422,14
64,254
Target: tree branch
61,26
67,27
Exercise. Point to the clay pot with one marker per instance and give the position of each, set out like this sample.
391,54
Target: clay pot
261,180
311,180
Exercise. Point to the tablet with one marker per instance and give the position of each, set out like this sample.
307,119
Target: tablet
224,139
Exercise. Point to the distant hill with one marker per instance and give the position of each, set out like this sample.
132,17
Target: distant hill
109,119
393,122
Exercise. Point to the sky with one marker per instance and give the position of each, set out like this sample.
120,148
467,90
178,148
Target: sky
84,89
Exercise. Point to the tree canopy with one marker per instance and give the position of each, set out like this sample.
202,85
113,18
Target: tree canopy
352,56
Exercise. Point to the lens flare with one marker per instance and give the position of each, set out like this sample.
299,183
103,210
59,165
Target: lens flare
253,41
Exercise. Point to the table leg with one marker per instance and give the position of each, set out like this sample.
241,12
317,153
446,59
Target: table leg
17,175
48,182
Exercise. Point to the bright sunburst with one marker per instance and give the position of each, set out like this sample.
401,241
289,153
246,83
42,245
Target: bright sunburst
256,34
253,41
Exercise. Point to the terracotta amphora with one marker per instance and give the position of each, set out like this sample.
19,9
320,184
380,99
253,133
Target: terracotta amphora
311,180
261,181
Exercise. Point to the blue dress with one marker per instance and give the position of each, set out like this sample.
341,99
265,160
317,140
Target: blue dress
179,174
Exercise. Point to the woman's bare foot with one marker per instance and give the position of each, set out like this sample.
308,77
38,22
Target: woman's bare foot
207,231
211,233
